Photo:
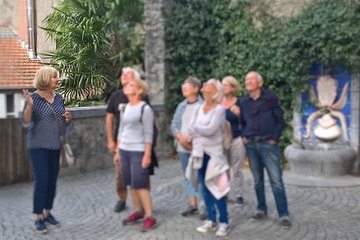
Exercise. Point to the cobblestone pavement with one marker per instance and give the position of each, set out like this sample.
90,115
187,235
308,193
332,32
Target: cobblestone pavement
84,205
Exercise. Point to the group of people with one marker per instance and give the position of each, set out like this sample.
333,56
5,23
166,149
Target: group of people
198,126
256,123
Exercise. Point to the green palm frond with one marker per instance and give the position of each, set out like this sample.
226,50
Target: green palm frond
94,38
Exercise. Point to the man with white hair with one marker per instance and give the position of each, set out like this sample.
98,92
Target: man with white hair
118,97
263,121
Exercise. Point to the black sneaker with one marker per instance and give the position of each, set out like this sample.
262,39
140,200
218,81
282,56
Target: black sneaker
239,201
120,206
191,210
51,221
285,222
40,227
259,215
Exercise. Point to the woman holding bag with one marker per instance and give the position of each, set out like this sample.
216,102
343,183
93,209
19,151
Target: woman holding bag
45,118
236,153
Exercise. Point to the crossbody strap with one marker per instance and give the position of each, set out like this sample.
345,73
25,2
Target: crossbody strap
57,121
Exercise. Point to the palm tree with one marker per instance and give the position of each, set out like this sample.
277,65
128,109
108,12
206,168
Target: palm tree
94,39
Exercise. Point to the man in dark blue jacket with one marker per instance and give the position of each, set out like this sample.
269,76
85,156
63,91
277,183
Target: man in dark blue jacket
262,121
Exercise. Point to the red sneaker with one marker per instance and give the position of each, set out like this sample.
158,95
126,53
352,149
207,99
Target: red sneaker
148,224
133,218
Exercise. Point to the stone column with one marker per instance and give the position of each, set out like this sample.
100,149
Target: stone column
297,120
155,50
355,119
154,25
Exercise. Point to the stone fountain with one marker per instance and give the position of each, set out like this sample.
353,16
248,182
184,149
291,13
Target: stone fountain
323,149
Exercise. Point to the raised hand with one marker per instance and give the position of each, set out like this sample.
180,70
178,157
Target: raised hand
235,109
28,97
67,116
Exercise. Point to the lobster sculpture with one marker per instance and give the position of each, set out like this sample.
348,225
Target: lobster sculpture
327,128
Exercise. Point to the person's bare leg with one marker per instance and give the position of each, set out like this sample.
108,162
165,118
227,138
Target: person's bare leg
135,197
146,201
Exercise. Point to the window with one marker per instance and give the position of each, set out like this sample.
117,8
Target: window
10,104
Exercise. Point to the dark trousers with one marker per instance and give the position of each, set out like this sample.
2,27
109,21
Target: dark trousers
45,166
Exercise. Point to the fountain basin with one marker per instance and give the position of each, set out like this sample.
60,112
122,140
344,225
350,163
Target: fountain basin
320,160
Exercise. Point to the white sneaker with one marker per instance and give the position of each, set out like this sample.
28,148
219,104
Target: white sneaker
206,227
222,230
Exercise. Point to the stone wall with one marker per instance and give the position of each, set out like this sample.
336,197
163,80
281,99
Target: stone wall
87,137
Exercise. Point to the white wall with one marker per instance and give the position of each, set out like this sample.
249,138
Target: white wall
19,103
2,105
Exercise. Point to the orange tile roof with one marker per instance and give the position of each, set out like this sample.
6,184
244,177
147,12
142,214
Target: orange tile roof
17,70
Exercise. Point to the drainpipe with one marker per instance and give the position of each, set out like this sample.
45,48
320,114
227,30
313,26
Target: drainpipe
31,12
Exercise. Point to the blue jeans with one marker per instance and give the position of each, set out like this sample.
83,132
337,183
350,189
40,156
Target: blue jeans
189,188
45,166
210,201
264,155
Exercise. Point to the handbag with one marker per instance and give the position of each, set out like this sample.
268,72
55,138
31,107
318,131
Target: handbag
66,154
227,134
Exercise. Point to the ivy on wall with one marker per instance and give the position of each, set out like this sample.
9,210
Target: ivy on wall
209,38
193,35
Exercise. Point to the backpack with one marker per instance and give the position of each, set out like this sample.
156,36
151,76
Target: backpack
154,159
122,108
